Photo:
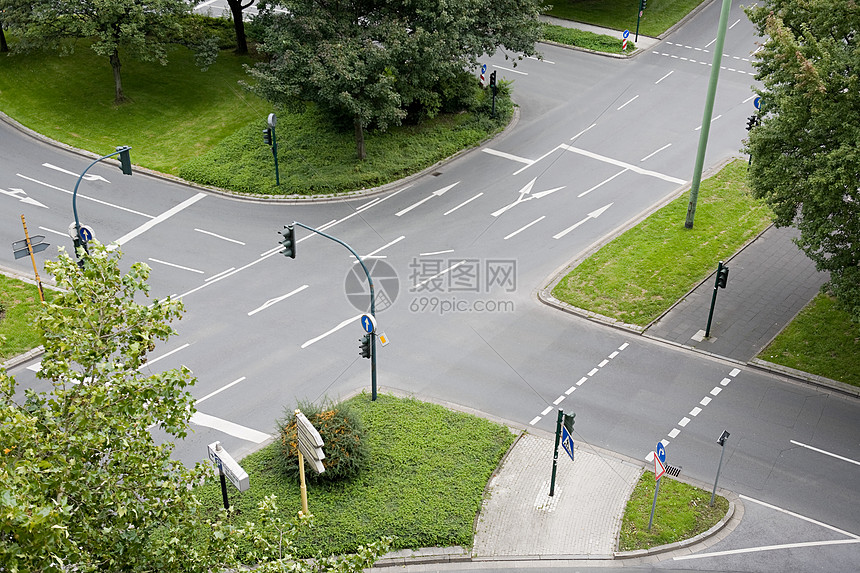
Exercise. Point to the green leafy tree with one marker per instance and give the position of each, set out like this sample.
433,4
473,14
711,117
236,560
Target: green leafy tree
367,61
806,152
83,485
236,10
140,29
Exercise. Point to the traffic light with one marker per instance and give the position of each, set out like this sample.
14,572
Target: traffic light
493,80
752,121
125,159
267,136
568,422
364,346
722,276
642,6
289,241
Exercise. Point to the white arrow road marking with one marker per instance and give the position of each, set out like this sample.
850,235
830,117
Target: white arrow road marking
526,196
335,329
82,196
17,194
88,176
593,215
276,300
438,193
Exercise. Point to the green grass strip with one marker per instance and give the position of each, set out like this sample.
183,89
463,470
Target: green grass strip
19,303
659,15
424,483
643,272
584,39
682,512
822,340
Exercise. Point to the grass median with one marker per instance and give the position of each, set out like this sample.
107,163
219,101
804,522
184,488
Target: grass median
658,16
423,483
19,303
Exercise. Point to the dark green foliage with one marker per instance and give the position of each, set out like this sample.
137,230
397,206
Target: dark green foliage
346,452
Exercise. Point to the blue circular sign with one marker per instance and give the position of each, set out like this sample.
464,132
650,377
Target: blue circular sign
85,233
757,102
368,323
661,452
626,33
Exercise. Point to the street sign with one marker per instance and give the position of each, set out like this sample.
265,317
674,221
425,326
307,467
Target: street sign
368,323
661,452
626,34
228,466
383,340
21,253
567,442
757,102
86,233
659,469
310,442
22,244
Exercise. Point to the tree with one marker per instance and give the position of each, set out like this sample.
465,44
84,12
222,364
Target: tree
141,29
368,60
806,152
83,485
236,9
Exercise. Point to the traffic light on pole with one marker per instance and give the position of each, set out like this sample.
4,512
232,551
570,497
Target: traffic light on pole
752,121
568,422
289,241
493,80
642,6
125,159
267,136
364,346
722,276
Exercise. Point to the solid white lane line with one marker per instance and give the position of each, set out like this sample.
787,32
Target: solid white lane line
803,517
211,234
510,70
664,77
175,266
656,152
213,277
160,218
437,275
521,229
735,24
228,427
335,329
219,390
466,202
589,127
55,232
81,196
826,453
627,102
435,253
633,168
604,182
712,121
521,169
767,548
165,355
395,241
276,300
507,156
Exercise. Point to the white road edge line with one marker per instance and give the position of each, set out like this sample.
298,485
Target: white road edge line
767,548
826,453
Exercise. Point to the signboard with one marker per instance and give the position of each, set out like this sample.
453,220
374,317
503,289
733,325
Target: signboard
757,102
661,452
368,323
567,442
86,233
659,469
228,466
20,250
310,442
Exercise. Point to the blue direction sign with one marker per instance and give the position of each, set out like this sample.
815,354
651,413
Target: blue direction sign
86,234
757,102
626,33
661,452
567,442
368,323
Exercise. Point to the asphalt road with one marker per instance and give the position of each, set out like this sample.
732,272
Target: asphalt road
457,256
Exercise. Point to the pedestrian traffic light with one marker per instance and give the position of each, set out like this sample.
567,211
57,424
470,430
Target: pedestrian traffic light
752,121
364,346
267,136
124,159
722,276
493,80
568,422
289,241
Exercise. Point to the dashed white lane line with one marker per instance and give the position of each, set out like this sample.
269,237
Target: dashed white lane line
705,401
581,381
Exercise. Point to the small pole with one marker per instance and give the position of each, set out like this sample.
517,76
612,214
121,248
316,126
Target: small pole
303,485
224,488
33,260
555,451
654,505
722,441
713,300
275,153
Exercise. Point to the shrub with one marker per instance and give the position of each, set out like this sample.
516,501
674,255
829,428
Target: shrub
346,452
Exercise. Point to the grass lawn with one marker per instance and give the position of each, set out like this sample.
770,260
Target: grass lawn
19,302
423,484
584,39
682,512
659,16
643,272
821,340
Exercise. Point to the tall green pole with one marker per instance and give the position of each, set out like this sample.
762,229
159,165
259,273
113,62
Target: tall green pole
709,113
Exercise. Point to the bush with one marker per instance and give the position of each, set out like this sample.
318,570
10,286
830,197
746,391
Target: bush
345,449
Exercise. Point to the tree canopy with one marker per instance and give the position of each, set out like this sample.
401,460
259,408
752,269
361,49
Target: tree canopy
141,29
369,60
83,484
806,151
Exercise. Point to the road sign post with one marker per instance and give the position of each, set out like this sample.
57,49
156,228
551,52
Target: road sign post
228,468
310,445
272,121
29,246
722,441
659,470
720,282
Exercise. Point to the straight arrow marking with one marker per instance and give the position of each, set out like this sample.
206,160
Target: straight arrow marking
438,193
17,194
88,176
593,215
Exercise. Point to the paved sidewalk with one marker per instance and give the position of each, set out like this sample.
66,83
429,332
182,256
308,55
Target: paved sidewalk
770,281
